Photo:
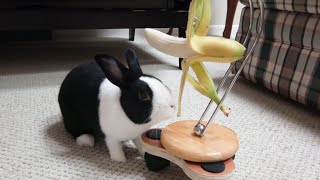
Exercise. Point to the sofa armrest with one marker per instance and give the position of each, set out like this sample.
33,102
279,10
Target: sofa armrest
312,7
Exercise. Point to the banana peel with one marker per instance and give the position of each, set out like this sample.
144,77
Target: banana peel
213,46
204,85
208,88
199,18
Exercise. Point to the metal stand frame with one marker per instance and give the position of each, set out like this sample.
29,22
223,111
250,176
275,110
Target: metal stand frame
200,128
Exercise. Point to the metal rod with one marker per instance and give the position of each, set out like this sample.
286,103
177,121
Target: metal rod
231,65
261,3
219,87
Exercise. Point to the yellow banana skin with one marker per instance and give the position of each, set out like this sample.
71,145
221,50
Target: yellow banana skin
205,20
206,80
216,46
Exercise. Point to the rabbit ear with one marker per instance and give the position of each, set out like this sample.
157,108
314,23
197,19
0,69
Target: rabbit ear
134,67
113,69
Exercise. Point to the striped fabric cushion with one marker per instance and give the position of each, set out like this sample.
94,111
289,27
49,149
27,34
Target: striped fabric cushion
306,6
286,59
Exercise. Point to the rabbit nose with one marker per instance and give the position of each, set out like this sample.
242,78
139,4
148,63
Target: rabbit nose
172,106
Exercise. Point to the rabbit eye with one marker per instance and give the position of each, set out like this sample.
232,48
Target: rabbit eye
144,96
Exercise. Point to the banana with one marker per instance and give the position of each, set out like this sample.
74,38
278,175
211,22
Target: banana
196,48
171,45
205,45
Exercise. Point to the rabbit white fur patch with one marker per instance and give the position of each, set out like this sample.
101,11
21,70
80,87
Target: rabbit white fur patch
114,122
86,140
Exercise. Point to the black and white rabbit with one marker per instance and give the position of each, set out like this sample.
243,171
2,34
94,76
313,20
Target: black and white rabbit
108,97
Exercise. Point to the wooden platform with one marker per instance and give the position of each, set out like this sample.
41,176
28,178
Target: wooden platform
218,143
191,169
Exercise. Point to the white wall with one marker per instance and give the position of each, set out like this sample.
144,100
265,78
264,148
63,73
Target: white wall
219,12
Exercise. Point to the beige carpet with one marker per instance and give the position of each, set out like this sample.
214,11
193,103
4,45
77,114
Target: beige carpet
278,139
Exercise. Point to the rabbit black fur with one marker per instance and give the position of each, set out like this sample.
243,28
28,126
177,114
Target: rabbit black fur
107,97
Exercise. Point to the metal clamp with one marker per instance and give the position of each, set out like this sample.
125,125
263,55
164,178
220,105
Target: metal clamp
200,128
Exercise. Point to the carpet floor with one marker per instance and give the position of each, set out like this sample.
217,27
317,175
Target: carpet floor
278,138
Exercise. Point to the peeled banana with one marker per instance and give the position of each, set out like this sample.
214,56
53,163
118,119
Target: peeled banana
171,45
221,49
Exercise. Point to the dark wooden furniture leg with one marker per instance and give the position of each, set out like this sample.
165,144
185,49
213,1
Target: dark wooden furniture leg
232,6
131,33
170,31
182,33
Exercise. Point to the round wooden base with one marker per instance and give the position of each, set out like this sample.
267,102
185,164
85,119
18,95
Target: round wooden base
191,169
217,144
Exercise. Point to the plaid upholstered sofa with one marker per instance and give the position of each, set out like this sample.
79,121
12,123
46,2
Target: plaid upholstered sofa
287,57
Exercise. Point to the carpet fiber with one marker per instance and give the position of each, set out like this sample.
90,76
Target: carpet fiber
278,138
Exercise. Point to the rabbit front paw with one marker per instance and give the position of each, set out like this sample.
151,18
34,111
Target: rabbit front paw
115,150
118,156
138,144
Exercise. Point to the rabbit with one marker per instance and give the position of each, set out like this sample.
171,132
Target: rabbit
107,97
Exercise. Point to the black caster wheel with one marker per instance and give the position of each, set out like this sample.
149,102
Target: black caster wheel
155,163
